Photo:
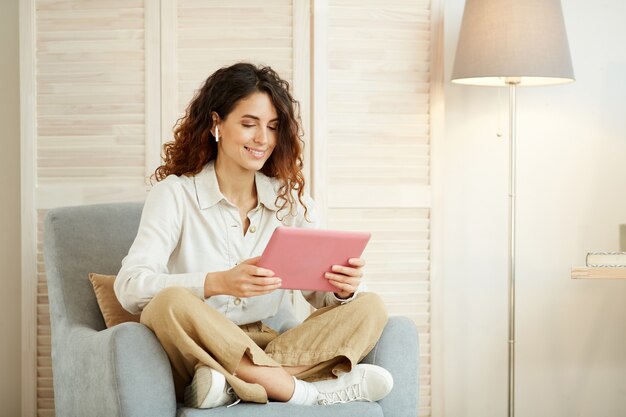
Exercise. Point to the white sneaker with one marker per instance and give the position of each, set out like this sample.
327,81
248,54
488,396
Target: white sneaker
208,389
364,383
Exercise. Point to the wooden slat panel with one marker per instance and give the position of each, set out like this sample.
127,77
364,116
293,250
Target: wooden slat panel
45,382
411,298
377,154
210,36
90,83
190,36
419,4
86,110
56,5
46,404
45,393
92,34
87,98
237,5
101,140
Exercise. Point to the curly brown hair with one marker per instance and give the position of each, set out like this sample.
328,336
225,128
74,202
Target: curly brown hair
194,145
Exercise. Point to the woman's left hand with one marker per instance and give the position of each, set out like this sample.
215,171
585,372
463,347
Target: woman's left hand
346,278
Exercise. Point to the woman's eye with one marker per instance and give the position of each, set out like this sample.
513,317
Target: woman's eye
245,125
273,127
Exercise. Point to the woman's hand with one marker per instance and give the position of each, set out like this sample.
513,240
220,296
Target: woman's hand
244,280
346,278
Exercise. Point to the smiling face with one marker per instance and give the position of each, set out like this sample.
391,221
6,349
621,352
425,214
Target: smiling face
248,134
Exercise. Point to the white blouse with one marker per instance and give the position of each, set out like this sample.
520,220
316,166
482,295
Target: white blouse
188,228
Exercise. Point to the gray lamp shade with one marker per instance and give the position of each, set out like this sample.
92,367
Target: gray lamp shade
512,41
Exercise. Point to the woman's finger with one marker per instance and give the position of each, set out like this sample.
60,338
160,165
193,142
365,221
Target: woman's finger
352,282
348,271
257,271
343,278
264,282
342,286
358,262
262,290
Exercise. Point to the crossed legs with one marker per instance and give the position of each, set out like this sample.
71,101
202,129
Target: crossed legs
194,334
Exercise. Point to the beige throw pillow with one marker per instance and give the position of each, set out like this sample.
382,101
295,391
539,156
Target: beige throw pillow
111,309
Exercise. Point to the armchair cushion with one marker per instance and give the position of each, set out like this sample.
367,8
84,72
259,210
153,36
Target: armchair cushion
275,409
112,311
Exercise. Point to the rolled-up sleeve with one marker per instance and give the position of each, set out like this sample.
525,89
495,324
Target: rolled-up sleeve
144,270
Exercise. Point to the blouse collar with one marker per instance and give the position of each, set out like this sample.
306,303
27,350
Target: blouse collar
209,194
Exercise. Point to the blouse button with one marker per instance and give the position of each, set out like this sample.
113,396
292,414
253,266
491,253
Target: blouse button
237,301
252,229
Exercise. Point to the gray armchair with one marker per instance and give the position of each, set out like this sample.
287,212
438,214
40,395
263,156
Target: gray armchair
123,370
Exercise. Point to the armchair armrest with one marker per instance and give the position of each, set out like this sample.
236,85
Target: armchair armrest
120,371
398,352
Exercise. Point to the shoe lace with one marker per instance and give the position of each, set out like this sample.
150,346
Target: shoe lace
231,392
342,396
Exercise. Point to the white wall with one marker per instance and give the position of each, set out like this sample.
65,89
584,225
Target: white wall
10,295
571,335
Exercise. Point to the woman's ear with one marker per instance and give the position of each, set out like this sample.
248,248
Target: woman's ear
216,120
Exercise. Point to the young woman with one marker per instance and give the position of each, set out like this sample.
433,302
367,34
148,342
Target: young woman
231,176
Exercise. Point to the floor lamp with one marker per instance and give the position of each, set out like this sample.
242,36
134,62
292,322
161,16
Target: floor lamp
512,43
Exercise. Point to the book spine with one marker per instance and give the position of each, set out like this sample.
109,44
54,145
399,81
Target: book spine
606,259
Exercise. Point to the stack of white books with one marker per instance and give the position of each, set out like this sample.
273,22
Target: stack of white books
606,259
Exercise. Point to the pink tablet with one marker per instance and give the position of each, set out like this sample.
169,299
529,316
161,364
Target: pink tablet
300,257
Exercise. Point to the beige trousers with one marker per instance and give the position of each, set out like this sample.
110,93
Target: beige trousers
193,334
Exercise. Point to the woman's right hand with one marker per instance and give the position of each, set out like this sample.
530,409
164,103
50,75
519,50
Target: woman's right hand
244,280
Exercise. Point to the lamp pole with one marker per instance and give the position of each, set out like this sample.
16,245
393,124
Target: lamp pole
512,83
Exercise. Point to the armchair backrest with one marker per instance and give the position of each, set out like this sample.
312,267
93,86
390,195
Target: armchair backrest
80,240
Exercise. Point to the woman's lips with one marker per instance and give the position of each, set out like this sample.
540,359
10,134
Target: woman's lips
255,153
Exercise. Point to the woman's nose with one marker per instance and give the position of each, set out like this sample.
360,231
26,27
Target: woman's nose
262,136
